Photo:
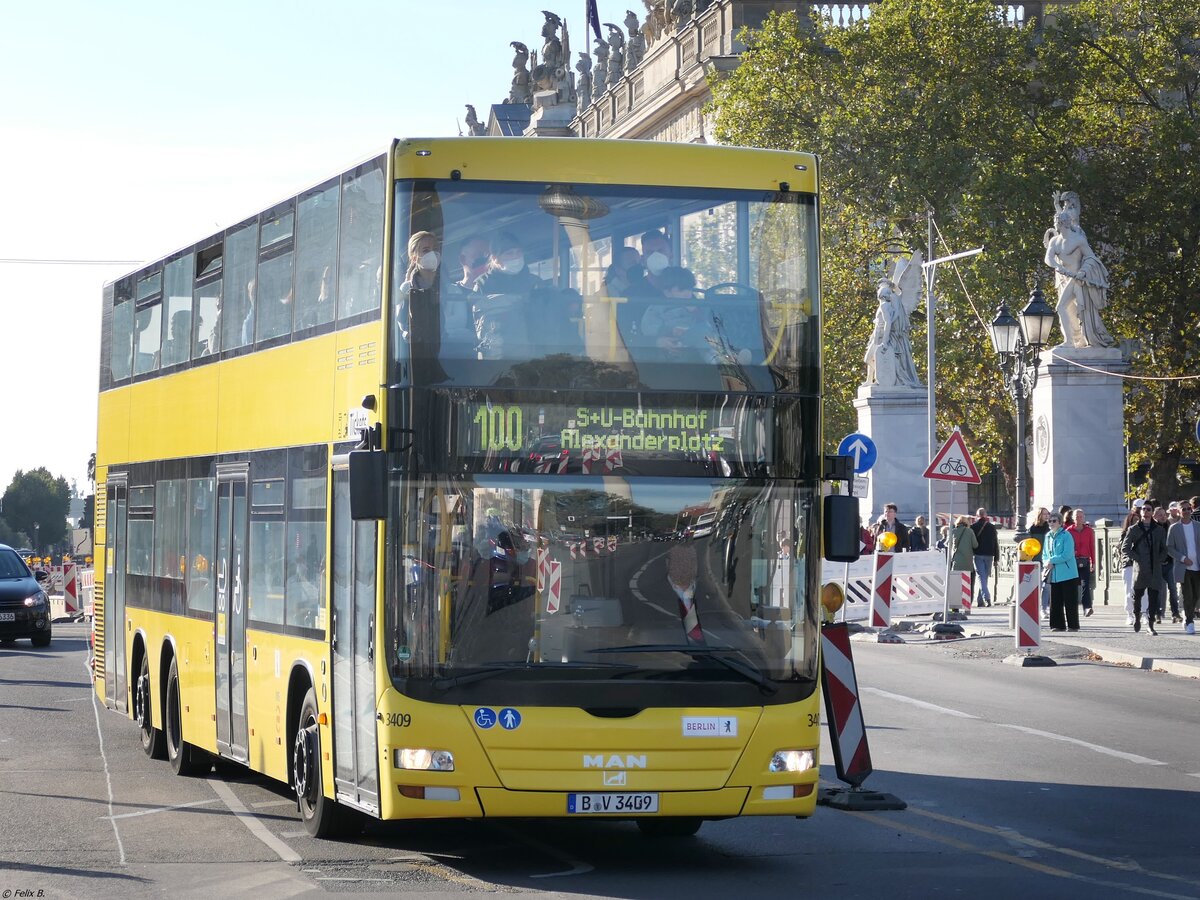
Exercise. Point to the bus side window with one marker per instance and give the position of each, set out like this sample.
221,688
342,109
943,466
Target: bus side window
121,358
360,261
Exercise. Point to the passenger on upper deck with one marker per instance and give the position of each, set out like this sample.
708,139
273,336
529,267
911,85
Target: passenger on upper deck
625,276
417,305
684,330
505,299
656,257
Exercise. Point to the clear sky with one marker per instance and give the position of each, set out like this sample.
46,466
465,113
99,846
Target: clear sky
134,127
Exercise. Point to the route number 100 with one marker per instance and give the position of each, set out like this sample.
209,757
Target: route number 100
500,427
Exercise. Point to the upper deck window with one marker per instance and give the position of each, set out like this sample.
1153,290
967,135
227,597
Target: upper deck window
555,285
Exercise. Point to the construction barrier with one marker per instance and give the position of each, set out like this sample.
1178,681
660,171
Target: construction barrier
881,591
964,592
840,686
918,585
1029,626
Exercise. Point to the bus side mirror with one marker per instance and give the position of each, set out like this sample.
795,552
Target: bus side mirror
840,533
368,484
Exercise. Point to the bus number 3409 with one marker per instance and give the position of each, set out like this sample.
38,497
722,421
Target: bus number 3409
500,427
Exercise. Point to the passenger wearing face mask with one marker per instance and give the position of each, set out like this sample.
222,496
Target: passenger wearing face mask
507,300
656,258
458,298
417,309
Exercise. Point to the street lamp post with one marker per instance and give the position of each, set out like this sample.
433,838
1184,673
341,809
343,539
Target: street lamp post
1018,345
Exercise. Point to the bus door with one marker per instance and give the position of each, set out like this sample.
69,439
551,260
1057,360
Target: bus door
232,575
114,595
353,646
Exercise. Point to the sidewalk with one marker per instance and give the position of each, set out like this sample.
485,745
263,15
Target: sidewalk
1105,634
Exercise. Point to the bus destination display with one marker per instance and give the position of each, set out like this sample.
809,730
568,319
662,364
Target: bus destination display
524,429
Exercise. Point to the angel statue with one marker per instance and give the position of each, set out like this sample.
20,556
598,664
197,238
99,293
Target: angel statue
1079,276
889,356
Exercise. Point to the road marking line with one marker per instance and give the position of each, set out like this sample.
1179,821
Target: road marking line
1107,751
257,828
897,823
263,804
150,812
900,698
577,866
1098,748
107,778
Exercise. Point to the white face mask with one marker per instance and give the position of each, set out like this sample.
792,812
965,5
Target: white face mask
429,261
656,262
512,265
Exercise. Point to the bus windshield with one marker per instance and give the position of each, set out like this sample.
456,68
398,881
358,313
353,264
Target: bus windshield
676,582
620,287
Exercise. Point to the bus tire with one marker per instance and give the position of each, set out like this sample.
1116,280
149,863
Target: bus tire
153,744
183,757
322,816
674,826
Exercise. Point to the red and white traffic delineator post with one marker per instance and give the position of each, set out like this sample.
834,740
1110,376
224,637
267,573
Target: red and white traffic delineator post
847,731
71,603
881,591
553,586
1029,625
965,592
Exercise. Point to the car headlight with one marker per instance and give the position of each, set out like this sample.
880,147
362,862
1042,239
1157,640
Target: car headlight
792,761
424,759
38,599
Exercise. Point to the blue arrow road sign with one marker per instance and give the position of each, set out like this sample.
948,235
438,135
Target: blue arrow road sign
862,448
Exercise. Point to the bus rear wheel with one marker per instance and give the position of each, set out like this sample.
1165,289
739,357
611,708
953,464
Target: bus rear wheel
675,826
153,744
183,757
322,817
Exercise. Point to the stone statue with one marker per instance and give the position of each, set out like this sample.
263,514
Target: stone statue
635,49
600,78
681,11
1079,276
520,91
552,54
616,43
584,68
656,20
889,356
474,126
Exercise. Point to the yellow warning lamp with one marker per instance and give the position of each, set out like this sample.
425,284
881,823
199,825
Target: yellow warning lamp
1030,548
887,542
87,560
832,597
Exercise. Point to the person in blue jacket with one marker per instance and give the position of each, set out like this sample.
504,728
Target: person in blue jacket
1059,569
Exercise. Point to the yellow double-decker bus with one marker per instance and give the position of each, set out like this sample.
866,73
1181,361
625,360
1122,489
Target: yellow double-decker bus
483,479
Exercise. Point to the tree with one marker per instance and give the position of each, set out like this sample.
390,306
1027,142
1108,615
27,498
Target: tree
37,497
12,537
945,106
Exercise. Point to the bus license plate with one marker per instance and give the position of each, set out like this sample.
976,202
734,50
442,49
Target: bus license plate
612,803
8,617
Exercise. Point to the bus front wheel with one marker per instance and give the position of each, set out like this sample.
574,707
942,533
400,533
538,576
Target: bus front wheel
183,757
322,817
153,744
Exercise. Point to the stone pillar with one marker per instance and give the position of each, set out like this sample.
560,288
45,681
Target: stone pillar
896,419
1077,417
550,118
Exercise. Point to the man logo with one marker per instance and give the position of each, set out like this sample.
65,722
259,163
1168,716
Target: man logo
616,761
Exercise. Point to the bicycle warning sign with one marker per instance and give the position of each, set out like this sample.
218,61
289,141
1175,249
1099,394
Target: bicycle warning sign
953,462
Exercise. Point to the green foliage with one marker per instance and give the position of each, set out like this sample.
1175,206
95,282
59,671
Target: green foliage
943,106
38,497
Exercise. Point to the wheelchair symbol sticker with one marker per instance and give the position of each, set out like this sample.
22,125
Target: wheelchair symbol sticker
485,717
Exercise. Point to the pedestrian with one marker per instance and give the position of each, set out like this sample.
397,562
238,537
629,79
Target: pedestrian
866,540
1183,543
943,538
1131,518
889,522
962,555
1085,557
1039,527
987,548
1146,546
918,535
1163,521
1058,568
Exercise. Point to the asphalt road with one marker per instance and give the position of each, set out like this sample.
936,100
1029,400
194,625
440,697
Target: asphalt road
1076,781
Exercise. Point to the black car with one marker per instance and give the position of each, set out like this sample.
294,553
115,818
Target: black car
24,606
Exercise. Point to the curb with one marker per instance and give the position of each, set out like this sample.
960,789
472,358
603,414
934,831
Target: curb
1122,657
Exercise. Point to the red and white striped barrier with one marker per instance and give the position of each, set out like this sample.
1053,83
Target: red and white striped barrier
964,592
71,603
881,591
553,586
1029,625
840,686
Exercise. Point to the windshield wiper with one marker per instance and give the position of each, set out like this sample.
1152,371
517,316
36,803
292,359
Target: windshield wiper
491,670
746,669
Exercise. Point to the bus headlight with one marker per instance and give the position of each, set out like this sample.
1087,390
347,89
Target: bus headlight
792,761
424,759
